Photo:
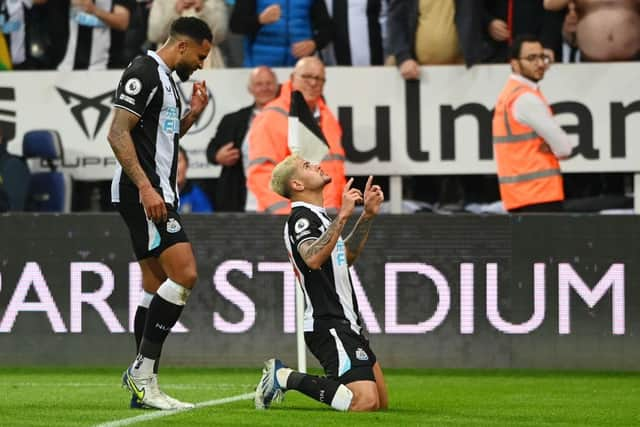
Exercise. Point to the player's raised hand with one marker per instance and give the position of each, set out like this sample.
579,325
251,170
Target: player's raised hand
350,197
373,197
199,97
153,204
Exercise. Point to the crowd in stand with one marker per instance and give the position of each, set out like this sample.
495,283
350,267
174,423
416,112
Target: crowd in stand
104,34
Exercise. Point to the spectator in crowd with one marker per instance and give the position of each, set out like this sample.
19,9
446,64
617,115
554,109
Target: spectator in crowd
192,197
15,22
96,34
604,30
228,147
135,38
14,177
213,12
278,33
55,26
504,20
231,47
430,32
527,140
360,35
268,140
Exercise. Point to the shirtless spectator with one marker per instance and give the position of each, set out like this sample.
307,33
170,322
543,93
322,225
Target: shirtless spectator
606,30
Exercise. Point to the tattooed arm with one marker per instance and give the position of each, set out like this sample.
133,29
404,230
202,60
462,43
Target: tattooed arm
316,252
354,243
122,145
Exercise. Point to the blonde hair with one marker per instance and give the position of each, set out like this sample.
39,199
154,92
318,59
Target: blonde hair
282,174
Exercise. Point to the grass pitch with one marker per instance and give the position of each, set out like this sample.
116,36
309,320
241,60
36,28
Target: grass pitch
92,396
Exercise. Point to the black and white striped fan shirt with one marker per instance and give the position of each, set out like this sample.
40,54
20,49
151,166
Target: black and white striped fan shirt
360,32
92,44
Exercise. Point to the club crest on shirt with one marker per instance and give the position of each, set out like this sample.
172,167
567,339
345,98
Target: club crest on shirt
361,354
173,226
133,86
301,225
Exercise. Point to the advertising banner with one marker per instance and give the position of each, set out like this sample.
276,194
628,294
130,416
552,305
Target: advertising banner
439,125
465,291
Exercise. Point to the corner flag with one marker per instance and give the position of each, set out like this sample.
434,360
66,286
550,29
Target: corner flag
305,136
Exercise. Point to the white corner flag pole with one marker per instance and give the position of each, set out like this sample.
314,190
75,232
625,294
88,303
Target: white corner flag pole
302,349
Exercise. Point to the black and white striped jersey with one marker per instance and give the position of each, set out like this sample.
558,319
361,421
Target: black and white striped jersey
14,23
328,292
147,90
92,44
360,32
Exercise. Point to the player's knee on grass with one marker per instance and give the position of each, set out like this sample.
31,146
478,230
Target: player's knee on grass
364,401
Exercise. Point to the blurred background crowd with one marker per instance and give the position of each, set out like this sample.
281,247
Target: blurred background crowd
107,34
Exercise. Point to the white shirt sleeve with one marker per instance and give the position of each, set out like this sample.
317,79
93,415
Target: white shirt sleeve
531,111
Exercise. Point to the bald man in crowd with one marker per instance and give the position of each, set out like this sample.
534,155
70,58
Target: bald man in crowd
228,147
268,140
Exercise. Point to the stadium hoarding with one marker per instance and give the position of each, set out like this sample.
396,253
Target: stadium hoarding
456,291
439,125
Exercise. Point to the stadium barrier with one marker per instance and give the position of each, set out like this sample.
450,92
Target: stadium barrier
537,291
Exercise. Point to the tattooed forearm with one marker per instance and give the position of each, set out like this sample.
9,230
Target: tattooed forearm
357,238
124,150
316,252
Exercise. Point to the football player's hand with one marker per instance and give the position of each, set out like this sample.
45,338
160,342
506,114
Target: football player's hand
153,204
373,198
350,197
199,97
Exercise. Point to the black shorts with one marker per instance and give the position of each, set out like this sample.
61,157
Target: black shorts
150,239
344,354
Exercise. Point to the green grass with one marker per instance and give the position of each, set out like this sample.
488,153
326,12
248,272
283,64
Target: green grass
88,396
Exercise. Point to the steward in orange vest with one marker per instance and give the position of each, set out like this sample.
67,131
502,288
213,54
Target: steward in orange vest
527,141
268,140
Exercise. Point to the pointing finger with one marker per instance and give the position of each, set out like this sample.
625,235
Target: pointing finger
367,186
348,185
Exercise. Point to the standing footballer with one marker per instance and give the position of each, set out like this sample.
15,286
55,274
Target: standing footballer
332,324
148,122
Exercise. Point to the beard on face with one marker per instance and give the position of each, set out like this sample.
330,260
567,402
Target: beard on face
183,71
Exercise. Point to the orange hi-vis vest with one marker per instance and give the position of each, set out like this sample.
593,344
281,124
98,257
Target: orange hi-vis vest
268,146
527,175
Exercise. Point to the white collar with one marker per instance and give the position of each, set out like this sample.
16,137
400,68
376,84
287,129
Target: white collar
313,207
159,60
533,85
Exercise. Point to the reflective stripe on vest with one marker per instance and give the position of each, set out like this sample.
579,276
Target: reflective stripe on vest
528,176
261,160
511,137
277,110
334,157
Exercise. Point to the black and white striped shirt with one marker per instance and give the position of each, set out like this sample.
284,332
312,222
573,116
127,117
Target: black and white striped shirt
147,90
92,44
328,292
360,32
14,23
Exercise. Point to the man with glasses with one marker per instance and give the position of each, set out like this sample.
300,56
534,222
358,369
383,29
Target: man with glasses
268,139
527,141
